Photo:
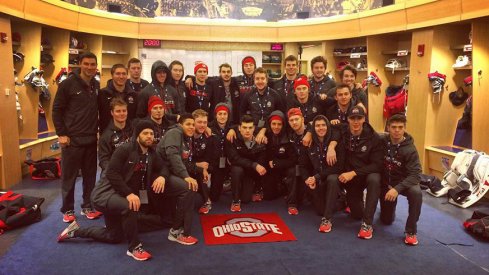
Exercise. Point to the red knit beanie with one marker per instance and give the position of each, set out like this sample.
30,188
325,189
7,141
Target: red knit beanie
200,66
302,80
154,100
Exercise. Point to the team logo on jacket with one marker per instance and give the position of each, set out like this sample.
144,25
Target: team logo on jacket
245,227
281,150
202,146
364,148
269,104
236,93
185,154
314,110
130,100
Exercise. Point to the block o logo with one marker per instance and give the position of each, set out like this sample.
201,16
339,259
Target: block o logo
245,228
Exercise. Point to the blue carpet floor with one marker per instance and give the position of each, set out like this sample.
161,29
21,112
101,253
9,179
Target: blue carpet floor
339,252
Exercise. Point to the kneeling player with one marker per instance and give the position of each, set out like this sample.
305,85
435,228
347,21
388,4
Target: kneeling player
401,176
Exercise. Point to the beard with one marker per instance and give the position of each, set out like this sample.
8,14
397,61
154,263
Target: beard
145,144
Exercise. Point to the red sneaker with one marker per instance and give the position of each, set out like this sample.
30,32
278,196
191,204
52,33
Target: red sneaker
177,236
69,232
293,211
90,214
411,239
236,207
204,209
139,254
325,226
366,232
257,197
69,216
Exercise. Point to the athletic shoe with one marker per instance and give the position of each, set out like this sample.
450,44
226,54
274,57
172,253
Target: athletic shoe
461,61
177,236
69,216
90,214
204,209
236,207
257,197
293,211
411,239
69,232
139,254
366,232
325,225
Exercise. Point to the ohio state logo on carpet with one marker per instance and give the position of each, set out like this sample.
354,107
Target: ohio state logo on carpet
244,228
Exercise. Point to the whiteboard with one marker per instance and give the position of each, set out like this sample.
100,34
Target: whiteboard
213,59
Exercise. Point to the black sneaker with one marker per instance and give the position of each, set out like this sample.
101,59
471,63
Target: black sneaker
139,253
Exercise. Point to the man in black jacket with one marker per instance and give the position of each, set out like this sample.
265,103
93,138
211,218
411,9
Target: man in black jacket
322,177
177,73
363,165
117,133
220,172
135,181
135,81
75,118
203,153
285,85
281,158
262,100
348,77
338,112
226,90
320,83
248,161
116,87
160,75
246,81
176,149
310,105
402,171
161,122
201,94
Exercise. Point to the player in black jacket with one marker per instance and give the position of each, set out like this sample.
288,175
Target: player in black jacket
117,133
310,105
363,166
348,77
220,172
156,114
116,87
226,90
135,182
322,177
281,160
246,81
203,153
338,113
248,162
262,100
320,83
160,75
135,81
75,118
285,85
177,73
200,95
402,171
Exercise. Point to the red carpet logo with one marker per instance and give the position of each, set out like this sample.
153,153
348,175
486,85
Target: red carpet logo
244,228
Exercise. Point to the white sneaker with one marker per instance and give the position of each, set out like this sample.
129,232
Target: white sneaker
461,61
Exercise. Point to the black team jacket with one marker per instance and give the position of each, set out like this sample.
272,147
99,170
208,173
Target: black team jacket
260,106
313,159
117,178
240,155
219,90
364,152
106,95
137,87
280,150
402,168
167,93
75,110
110,140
